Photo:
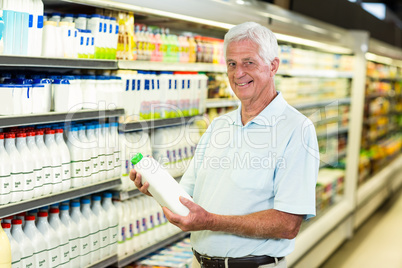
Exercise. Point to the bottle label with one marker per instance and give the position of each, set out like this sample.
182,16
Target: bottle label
104,27
30,21
69,33
138,84
117,29
146,84
133,86
40,22
100,27
111,29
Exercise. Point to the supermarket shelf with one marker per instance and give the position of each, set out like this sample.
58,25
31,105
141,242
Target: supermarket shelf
378,181
322,103
136,256
63,63
15,208
158,123
105,262
334,132
334,163
318,230
315,73
53,117
171,66
124,195
218,103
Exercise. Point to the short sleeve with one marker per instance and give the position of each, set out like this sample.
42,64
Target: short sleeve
296,176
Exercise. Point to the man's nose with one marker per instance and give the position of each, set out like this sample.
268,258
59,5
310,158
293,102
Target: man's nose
239,72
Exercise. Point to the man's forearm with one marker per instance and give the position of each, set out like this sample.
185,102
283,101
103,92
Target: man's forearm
264,224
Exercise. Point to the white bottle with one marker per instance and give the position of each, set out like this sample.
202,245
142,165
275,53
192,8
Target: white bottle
102,151
135,221
109,152
21,216
46,161
38,27
163,187
76,154
38,164
126,222
121,234
56,160
65,160
40,245
62,232
94,236
16,168
6,181
28,166
83,228
51,237
113,221
73,236
15,250
93,145
115,141
86,157
103,221
24,244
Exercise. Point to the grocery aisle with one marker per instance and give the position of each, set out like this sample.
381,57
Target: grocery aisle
377,243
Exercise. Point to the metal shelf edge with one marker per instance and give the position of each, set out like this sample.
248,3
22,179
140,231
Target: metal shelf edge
11,209
171,66
332,102
136,256
105,262
151,124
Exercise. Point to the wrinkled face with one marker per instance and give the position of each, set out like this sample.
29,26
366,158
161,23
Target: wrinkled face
249,76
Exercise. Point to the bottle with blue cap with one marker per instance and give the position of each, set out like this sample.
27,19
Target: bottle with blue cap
76,154
94,235
46,161
102,151
51,237
113,222
163,187
83,229
109,152
62,232
101,218
93,145
116,148
86,157
73,235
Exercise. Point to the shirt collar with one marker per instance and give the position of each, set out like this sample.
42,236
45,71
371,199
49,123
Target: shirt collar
268,117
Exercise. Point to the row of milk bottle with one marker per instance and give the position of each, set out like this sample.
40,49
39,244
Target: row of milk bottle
141,224
36,162
72,234
152,95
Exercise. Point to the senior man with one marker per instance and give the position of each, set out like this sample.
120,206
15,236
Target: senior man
254,172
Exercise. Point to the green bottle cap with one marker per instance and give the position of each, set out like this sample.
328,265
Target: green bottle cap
137,158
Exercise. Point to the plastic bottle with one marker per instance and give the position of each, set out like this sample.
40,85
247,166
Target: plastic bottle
163,187
38,27
122,232
48,43
103,221
76,154
128,244
86,157
65,160
11,256
21,216
81,22
73,235
56,161
94,235
102,152
134,225
83,228
46,162
115,138
24,244
51,237
6,182
28,166
109,152
40,245
93,145
16,168
113,222
62,232
9,23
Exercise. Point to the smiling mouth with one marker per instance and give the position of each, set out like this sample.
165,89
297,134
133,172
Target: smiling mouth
243,84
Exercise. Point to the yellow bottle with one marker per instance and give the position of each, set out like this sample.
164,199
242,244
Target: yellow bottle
5,250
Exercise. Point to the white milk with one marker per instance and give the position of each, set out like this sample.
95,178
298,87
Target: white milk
56,161
47,163
16,166
12,258
51,237
109,151
73,236
39,243
113,222
28,166
83,229
102,152
65,160
75,148
102,218
62,232
94,237
93,145
39,174
121,234
24,244
86,157
6,181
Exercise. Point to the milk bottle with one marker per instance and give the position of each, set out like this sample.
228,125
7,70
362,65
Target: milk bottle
73,236
16,168
21,216
109,151
10,256
65,160
62,232
47,163
121,234
28,166
56,161
76,154
51,237
83,228
6,182
126,222
24,244
102,152
116,149
39,243
86,156
163,187
38,164
94,236
113,221
103,221
134,242
93,145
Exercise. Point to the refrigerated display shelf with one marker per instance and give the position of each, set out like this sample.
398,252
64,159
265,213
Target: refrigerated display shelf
333,132
152,124
105,262
60,63
322,103
136,256
221,103
333,163
15,208
53,117
315,73
171,66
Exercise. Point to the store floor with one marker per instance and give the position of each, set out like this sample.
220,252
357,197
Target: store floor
377,243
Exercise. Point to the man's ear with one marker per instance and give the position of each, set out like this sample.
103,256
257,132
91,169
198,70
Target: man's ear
274,66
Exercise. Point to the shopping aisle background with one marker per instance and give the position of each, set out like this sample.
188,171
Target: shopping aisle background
377,243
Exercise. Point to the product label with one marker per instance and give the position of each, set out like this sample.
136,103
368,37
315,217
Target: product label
123,233
82,41
69,33
111,29
138,227
30,22
175,84
153,83
188,84
138,84
93,41
40,22
100,27
87,43
170,83
183,84
157,82
127,84
117,29
133,86
146,84
104,27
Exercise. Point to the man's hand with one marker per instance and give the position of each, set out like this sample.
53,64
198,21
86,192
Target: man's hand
136,178
198,219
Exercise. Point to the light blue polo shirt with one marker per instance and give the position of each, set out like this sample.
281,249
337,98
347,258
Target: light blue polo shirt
270,163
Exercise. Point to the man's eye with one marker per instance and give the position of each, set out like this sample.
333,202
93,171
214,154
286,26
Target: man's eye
231,64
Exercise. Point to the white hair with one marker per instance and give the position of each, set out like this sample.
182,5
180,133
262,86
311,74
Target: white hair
260,35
